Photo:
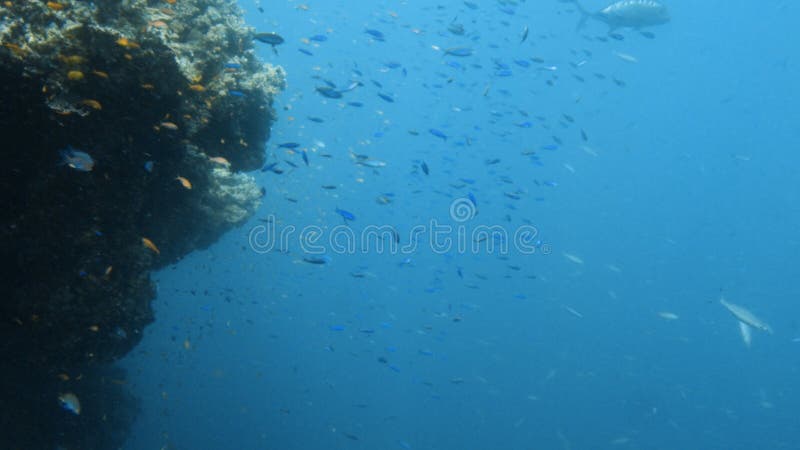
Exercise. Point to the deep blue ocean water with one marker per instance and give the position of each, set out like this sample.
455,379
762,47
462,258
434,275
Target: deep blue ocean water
610,335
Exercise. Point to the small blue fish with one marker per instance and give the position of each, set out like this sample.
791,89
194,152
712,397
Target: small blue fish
377,35
272,39
346,215
76,159
269,167
327,91
386,97
355,104
233,66
305,157
148,166
318,260
424,168
235,93
318,38
392,65
437,133
458,51
472,198
305,52
289,145
316,119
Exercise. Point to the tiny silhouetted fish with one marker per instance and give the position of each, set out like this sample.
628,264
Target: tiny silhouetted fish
472,199
272,39
438,133
346,215
290,145
327,91
377,35
318,260
458,51
271,168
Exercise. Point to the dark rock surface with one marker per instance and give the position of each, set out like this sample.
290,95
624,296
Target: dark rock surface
130,83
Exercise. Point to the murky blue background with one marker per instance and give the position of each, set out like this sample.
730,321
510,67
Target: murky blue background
684,190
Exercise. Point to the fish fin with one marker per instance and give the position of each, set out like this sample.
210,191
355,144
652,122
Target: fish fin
585,15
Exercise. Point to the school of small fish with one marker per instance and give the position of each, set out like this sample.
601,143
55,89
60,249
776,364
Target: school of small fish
391,157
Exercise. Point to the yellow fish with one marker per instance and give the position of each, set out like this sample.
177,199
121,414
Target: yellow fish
184,182
149,244
169,126
220,160
91,103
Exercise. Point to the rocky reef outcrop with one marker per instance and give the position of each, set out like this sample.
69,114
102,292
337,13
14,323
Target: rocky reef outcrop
126,128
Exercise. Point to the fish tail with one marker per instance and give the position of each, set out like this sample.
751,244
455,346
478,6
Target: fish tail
585,15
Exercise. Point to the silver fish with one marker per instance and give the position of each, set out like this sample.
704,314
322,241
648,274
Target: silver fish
627,14
746,317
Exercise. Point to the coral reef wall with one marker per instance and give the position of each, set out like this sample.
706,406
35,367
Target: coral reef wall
126,127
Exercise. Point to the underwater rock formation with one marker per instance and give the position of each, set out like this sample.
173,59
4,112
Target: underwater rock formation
126,126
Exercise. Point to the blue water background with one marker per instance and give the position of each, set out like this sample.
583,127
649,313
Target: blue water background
685,191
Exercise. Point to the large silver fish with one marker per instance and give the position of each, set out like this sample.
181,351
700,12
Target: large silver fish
626,14
745,316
